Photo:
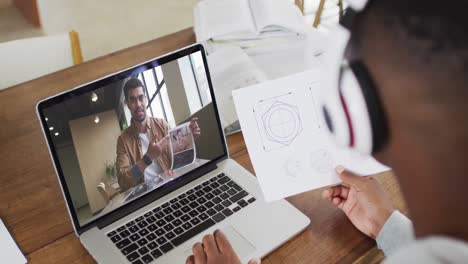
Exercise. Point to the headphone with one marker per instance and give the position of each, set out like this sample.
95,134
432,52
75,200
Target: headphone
350,103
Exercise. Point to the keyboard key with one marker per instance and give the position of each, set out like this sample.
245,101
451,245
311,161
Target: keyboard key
238,196
192,197
190,192
143,250
169,218
159,215
251,200
129,224
195,221
178,230
218,217
123,243
152,227
157,209
124,234
215,185
207,189
199,193
129,249
148,214
142,224
224,188
231,191
224,196
156,253
151,237
203,216
142,242
206,183
138,261
211,212
213,179
168,227
209,204
134,237
176,222
237,187
168,210
216,200
116,238
165,205
237,208
227,212
178,213
175,206
143,232
140,218
185,218
226,203
133,256
198,187
193,205
209,196
193,232
166,247
223,180
152,245
182,196
161,240
111,234
147,258
170,235
219,207
185,209
134,229
242,203
187,226
221,175
193,213
151,219
201,200
120,229
174,200
160,232
201,208
184,201
161,222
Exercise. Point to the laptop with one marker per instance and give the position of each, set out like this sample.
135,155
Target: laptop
128,204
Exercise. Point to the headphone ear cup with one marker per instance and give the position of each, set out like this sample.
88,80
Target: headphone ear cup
371,110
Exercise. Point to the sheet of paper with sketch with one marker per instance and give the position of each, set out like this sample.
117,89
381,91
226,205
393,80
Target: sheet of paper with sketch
286,137
182,146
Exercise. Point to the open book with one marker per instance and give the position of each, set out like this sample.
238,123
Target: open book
246,19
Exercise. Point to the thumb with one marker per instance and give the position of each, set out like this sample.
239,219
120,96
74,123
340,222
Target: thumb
349,178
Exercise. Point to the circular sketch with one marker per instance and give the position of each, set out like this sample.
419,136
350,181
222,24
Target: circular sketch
321,161
282,123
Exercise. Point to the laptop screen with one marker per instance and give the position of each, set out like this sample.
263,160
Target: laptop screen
133,133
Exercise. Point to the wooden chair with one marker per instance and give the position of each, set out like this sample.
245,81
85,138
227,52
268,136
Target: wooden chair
26,59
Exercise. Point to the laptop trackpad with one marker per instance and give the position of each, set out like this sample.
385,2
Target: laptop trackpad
240,245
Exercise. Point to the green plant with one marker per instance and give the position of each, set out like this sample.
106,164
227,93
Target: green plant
110,169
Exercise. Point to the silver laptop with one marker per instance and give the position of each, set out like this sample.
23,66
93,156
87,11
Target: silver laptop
144,168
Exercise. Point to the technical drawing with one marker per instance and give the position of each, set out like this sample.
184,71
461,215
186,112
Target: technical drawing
278,121
294,167
321,161
314,86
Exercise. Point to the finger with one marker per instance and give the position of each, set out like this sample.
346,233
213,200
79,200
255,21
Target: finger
255,261
339,190
350,178
209,244
222,242
199,253
337,201
190,260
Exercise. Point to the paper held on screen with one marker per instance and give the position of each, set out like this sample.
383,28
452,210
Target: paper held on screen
285,135
182,146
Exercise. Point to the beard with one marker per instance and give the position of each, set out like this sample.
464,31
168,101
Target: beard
139,115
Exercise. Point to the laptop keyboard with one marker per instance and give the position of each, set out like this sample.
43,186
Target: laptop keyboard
158,231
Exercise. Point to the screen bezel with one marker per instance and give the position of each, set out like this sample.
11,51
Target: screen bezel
155,194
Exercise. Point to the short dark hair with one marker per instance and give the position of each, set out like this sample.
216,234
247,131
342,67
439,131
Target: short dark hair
132,83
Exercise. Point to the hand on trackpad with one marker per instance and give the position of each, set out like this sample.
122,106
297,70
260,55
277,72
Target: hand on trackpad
241,246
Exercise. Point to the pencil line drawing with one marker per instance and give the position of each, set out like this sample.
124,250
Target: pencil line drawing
321,161
278,121
313,85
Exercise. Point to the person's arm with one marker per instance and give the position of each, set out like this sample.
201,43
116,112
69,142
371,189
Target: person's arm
370,209
128,175
396,232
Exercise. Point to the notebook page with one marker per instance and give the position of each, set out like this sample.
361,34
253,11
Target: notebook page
9,253
223,17
274,15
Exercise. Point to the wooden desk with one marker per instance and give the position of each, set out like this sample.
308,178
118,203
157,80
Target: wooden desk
33,208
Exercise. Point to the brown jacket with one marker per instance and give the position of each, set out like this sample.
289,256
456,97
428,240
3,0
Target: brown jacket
129,151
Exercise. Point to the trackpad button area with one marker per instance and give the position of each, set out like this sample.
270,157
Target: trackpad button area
240,245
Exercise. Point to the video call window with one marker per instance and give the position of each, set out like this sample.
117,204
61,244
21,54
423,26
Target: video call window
97,159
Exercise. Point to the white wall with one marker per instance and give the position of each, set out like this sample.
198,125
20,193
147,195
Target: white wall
95,144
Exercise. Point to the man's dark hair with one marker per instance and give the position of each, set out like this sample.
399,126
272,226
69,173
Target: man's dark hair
132,84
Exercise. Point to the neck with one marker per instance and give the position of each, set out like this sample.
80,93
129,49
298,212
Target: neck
434,182
141,126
